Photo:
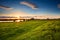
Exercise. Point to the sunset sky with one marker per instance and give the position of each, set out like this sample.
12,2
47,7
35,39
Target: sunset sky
30,7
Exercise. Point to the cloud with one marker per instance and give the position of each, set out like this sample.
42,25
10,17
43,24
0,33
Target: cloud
58,5
25,14
29,5
5,7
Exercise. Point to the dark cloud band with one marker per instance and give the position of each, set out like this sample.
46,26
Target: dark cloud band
5,7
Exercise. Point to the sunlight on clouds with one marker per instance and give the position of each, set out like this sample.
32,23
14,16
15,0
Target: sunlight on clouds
29,5
36,15
58,5
17,14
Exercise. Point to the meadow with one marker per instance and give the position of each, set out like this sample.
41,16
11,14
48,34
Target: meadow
30,30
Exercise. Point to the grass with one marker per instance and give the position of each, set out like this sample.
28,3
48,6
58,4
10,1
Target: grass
30,30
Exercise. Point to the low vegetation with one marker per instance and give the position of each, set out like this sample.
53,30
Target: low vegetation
30,30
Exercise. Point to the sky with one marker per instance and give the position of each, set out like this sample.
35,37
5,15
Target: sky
30,8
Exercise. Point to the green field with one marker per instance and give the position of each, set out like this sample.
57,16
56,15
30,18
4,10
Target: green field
30,30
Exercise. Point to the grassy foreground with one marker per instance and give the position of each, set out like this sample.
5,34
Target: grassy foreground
30,30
